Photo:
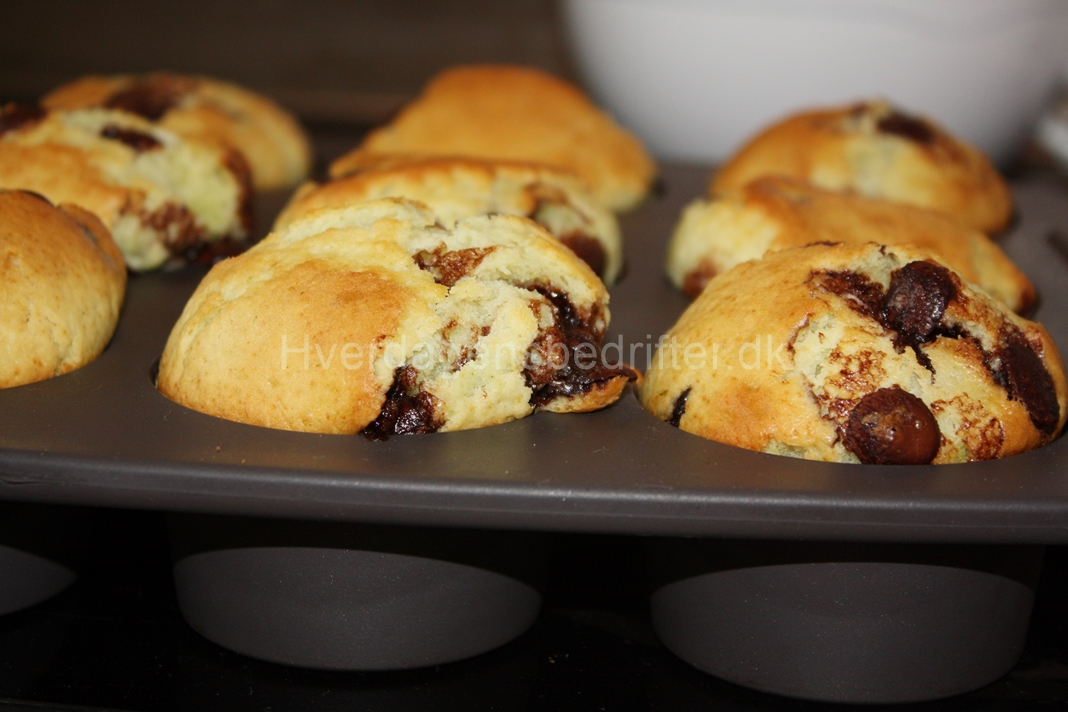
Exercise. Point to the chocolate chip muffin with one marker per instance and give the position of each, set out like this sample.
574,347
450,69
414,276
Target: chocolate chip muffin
455,188
877,150
858,353
62,283
773,213
159,194
522,114
375,318
270,138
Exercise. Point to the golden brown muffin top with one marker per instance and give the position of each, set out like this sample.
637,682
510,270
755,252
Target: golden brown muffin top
778,354
775,212
519,113
879,151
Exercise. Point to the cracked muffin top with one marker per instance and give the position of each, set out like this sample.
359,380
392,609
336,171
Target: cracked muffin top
376,318
522,114
271,140
858,353
62,282
776,212
455,188
877,150
159,194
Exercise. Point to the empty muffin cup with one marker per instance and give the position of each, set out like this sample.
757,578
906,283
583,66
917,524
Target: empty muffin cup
42,547
353,596
861,623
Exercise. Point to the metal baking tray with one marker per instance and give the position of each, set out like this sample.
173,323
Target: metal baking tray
103,435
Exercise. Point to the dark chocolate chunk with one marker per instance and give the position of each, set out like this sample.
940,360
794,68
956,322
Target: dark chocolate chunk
912,307
892,427
1026,379
408,409
15,116
680,408
449,268
137,140
587,249
906,126
916,300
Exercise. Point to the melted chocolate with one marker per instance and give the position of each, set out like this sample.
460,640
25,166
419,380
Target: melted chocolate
863,295
588,249
238,166
892,427
449,268
151,98
1026,379
137,140
186,239
178,224
913,308
408,409
906,126
680,408
557,371
548,355
15,116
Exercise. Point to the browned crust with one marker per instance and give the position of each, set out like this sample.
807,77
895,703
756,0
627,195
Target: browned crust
63,282
233,369
772,300
940,172
269,138
519,113
806,214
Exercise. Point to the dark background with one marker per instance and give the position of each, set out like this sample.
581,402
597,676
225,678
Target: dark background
115,639
328,60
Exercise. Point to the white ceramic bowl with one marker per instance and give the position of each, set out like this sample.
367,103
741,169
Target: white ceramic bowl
695,78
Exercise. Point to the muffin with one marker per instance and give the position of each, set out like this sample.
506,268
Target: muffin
877,150
455,188
271,140
374,318
521,114
858,353
159,194
62,283
773,213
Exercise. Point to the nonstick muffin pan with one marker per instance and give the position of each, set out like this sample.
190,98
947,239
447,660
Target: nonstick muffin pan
102,435
343,596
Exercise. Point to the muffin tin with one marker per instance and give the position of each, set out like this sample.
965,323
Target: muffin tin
103,435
